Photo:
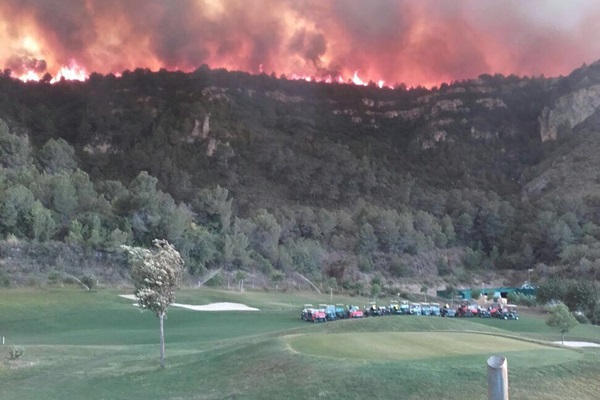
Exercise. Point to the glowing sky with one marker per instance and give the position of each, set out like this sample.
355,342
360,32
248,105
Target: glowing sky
412,41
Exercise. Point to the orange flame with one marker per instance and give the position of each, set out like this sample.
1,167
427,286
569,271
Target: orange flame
395,41
72,72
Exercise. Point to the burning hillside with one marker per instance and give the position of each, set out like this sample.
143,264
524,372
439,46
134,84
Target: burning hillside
393,41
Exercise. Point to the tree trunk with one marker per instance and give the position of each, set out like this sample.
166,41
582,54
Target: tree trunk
563,339
161,318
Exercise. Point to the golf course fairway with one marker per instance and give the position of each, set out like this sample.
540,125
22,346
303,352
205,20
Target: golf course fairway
408,345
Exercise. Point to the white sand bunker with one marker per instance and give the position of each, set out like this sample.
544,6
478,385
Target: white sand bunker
208,307
578,344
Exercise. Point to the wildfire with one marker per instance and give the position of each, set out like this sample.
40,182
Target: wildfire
70,72
415,43
355,80
75,72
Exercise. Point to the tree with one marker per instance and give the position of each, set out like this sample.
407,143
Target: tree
15,150
214,208
375,290
240,276
57,156
562,319
367,241
156,274
424,290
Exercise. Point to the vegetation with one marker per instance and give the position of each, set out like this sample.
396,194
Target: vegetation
257,174
15,352
156,274
580,295
561,319
105,348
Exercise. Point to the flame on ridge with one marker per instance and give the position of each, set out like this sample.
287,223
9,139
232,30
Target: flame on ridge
70,72
75,72
409,42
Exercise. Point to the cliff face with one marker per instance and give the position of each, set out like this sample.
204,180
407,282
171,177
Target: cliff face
568,111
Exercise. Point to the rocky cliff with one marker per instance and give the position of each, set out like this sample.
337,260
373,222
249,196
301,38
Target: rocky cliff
568,111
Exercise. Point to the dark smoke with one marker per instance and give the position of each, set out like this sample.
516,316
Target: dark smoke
417,42
23,64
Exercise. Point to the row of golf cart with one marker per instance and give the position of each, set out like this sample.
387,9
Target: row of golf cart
330,312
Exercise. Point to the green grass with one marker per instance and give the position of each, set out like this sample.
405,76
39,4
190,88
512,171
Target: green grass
97,346
409,345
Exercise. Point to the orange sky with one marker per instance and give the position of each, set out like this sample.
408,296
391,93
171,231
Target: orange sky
416,42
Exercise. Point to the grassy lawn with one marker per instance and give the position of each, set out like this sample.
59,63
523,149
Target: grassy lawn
98,346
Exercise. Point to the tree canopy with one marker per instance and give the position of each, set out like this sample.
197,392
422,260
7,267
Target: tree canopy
156,274
561,319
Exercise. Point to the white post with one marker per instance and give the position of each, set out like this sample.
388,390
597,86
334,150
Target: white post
497,378
2,340
331,294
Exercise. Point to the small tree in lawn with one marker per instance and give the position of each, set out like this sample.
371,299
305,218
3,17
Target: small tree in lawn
240,276
562,319
375,290
424,290
156,274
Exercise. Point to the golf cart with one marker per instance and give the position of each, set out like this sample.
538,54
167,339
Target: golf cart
394,307
371,310
414,309
354,312
510,312
305,309
448,311
317,315
329,311
340,311
435,309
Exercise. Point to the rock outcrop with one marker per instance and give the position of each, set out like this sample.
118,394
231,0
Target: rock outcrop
568,111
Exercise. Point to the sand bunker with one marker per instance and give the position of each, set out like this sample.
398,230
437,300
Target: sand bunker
207,307
578,344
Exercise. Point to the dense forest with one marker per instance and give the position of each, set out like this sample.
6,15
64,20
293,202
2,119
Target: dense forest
340,183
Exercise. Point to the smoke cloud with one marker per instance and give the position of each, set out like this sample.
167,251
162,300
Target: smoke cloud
423,42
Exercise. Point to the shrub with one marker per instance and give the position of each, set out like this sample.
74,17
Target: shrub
53,278
443,266
69,280
522,299
399,267
88,281
365,264
15,352
594,316
215,281
581,318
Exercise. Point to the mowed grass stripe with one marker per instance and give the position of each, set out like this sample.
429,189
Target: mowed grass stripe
407,345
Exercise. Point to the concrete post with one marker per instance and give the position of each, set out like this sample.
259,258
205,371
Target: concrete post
497,378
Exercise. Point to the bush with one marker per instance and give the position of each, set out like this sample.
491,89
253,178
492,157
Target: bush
581,318
522,299
69,280
215,281
443,266
53,278
365,264
88,281
594,315
15,352
399,268
4,281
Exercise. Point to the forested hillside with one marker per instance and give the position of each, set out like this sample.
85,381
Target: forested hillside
338,182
